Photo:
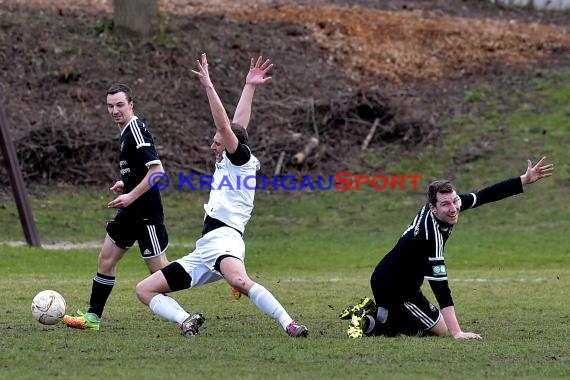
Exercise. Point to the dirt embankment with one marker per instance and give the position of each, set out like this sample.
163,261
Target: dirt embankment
341,68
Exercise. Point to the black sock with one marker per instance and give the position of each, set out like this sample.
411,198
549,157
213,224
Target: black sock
100,291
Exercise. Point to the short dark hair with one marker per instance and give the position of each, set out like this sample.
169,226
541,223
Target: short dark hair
120,87
443,186
240,132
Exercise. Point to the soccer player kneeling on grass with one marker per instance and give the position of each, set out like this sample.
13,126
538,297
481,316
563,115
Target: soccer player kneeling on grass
401,307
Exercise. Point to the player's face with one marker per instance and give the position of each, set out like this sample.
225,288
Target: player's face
120,109
447,207
218,146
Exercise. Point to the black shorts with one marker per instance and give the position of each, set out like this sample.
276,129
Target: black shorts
152,238
414,316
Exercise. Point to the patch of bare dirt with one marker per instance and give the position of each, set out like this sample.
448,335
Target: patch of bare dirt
407,46
343,69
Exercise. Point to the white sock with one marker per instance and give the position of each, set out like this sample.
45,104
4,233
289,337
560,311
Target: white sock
167,308
265,302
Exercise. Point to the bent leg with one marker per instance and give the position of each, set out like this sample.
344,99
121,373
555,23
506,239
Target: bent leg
235,274
151,291
440,329
233,270
151,286
418,317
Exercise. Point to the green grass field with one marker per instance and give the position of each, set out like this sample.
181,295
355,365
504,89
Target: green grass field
508,262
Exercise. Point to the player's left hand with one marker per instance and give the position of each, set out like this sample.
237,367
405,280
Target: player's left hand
258,71
536,172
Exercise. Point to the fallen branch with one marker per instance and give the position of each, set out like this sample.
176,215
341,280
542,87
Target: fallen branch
279,163
370,134
300,157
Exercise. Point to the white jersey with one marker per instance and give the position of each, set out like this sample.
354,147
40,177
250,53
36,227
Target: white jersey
232,192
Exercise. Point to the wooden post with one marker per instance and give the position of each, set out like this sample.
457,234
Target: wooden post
17,182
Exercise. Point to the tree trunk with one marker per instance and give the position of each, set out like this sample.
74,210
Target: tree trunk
136,16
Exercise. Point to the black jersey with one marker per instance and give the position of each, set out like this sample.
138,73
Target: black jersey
419,253
137,155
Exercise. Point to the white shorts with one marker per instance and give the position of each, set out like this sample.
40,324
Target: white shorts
200,264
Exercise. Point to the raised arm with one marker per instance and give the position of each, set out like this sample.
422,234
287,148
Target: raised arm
507,188
257,75
221,120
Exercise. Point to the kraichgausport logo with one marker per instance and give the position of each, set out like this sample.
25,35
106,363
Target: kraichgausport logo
342,181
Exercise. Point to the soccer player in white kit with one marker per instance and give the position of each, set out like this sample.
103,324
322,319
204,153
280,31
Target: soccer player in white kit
220,251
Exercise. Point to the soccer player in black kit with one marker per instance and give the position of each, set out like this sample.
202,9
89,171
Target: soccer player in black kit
139,207
401,307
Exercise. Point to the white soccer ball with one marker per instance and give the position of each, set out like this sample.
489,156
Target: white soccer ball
48,307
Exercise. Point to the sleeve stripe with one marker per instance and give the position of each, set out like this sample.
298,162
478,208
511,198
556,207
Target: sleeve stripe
430,278
437,239
415,221
135,130
414,226
426,226
440,243
154,162
474,200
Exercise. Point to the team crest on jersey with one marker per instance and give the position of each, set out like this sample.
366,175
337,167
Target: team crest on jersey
439,270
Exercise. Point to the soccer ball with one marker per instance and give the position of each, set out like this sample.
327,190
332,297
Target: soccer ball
48,307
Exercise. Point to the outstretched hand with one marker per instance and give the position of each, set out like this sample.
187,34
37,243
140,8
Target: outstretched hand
536,172
203,72
467,335
258,71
